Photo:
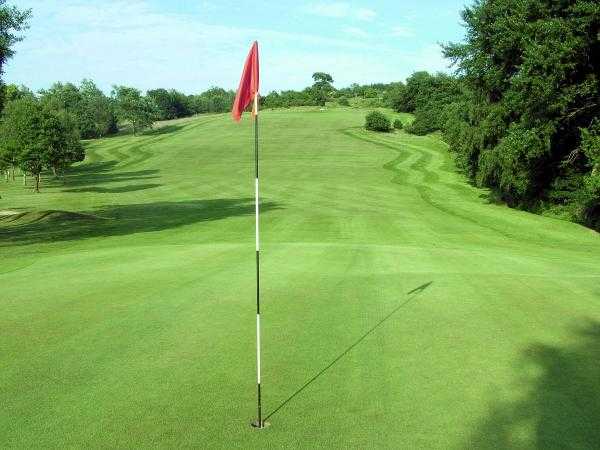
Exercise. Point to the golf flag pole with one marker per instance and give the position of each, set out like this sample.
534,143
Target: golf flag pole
248,92
259,423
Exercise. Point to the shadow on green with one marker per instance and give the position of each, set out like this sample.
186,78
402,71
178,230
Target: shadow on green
168,129
117,220
91,174
412,295
126,131
115,190
562,401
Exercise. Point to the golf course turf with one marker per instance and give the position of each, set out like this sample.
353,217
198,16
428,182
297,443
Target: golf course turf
401,308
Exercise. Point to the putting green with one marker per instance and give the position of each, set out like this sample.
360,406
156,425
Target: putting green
401,308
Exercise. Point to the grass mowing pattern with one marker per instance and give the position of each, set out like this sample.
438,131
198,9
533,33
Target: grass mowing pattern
401,308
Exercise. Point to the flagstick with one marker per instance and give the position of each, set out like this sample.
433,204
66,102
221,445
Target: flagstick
259,422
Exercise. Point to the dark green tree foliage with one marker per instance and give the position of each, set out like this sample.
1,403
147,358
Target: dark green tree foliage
61,139
526,127
343,101
19,129
377,121
374,95
214,100
92,111
36,137
96,114
12,22
398,124
132,107
393,94
14,92
415,93
271,100
322,88
288,99
171,104
426,96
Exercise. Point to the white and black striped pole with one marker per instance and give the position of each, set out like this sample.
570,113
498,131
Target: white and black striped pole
248,92
259,422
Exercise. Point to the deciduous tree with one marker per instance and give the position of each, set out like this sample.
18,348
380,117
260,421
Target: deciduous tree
12,22
134,108
36,137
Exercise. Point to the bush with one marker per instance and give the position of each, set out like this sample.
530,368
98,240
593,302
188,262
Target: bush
343,101
398,124
377,121
426,121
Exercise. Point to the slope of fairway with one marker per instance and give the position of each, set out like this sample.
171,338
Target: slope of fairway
401,308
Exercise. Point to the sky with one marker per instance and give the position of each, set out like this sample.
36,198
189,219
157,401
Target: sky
195,44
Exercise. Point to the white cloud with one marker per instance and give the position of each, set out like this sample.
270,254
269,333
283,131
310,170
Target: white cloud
130,42
365,14
401,31
340,10
337,10
428,58
354,31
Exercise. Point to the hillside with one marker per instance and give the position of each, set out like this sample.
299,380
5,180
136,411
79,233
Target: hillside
400,304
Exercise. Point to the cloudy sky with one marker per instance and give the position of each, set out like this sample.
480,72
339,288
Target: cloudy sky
194,44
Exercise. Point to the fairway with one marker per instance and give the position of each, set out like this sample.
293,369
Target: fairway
401,308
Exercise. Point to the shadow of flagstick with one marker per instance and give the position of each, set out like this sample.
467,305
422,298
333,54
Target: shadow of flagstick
414,293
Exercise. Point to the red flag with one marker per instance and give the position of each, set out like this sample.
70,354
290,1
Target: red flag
248,89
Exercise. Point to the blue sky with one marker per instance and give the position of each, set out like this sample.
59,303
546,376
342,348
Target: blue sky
192,45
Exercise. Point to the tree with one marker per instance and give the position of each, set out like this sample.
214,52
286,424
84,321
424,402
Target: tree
322,77
271,100
14,92
170,104
134,108
61,138
16,130
427,96
22,136
532,87
12,21
214,100
164,102
322,88
36,137
91,110
377,121
62,97
4,166
9,153
393,95
96,114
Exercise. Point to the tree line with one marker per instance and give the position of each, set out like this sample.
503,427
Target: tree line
521,113
322,92
66,113
43,131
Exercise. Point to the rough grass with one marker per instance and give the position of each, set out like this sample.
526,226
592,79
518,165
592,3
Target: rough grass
402,307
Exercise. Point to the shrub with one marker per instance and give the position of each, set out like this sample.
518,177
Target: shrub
343,101
426,121
398,124
377,121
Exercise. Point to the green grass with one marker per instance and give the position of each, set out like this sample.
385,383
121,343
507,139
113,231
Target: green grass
401,308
